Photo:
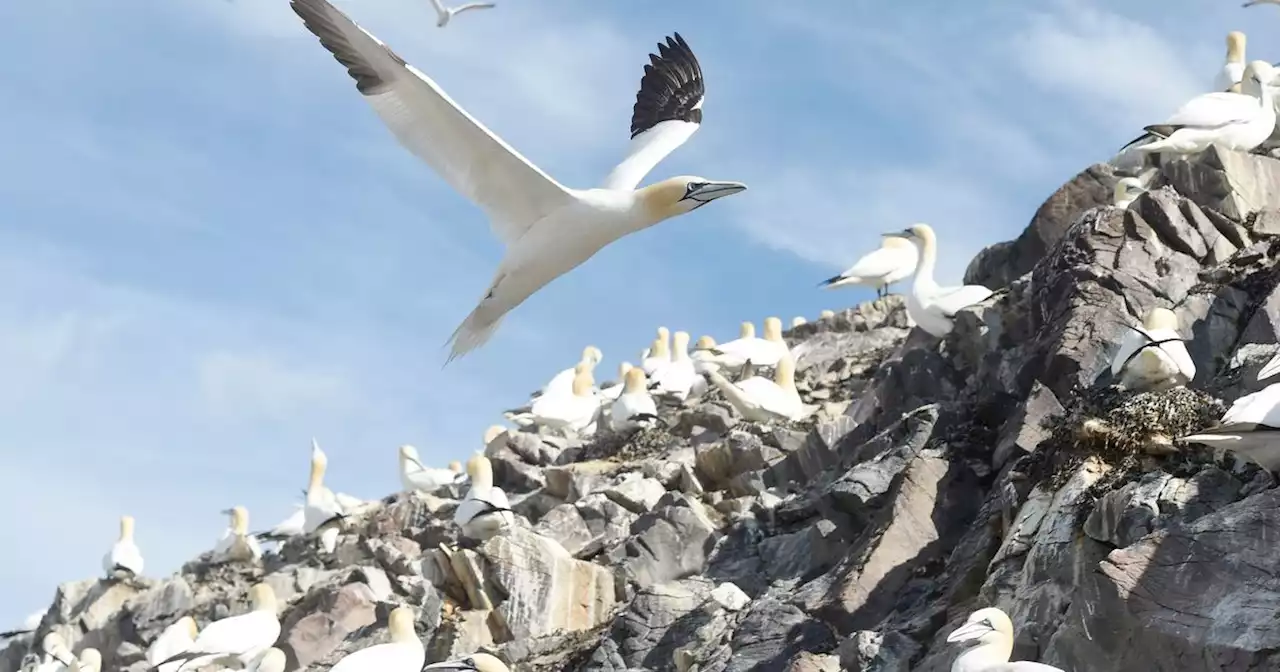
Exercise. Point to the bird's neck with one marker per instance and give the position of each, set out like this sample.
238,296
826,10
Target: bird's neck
927,257
982,657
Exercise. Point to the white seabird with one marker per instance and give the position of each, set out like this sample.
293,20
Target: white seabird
1271,368
56,654
236,544
1126,191
1237,121
443,14
759,399
1250,428
634,407
610,393
1228,78
485,510
404,653
932,307
703,354
322,513
548,229
1155,356
758,351
797,321
292,526
476,662
415,476
826,314
124,560
175,639
658,354
561,382
89,660
235,641
575,409
272,660
993,632
895,260
676,379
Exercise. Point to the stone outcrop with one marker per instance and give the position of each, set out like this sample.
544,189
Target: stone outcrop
997,466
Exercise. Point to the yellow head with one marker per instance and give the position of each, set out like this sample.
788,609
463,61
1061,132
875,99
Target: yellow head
493,432
455,466
705,343
680,346
240,520
1160,318
623,368
318,464
921,234
896,243
797,321
190,623
126,528
634,381
400,624
582,380
592,354
1126,189
747,330
678,195
262,597
1235,47
481,471
89,660
773,329
785,373
989,626
826,314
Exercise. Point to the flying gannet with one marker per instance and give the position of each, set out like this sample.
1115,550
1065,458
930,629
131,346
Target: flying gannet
236,544
658,353
932,307
476,662
1250,428
175,639
760,399
548,229
235,641
322,513
404,653
443,14
635,406
895,260
1153,357
758,351
485,510
992,630
1237,121
676,379
1232,71
562,381
415,476
124,560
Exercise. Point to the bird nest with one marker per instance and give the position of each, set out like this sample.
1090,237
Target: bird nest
629,446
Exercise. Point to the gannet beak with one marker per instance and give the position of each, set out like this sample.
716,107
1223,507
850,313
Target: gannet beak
905,233
710,191
225,512
966,632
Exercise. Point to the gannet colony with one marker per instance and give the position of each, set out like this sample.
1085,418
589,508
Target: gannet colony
1065,464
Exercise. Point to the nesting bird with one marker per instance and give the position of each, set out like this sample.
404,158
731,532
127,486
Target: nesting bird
758,351
174,640
1228,78
1126,191
634,406
657,355
760,399
561,382
895,260
322,513
485,510
415,476
610,393
1153,357
992,632
292,526
476,662
932,307
124,560
235,641
677,378
1237,121
404,653
236,544
548,229
1250,428
575,410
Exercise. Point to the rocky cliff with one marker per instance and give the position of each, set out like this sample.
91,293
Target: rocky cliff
994,467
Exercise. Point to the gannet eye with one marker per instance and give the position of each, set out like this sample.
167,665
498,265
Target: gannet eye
694,186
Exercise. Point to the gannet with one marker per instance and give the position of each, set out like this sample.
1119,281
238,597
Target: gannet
323,512
827,314
704,355
443,14
1127,190
548,229
1271,368
762,400
404,653
932,307
415,476
1229,120
634,407
893,261
658,354
272,660
575,410
758,351
1228,78
289,527
993,632
476,662
1154,357
677,377
89,660
56,654
610,393
237,545
175,639
235,640
797,321
485,510
124,560
561,382
1250,428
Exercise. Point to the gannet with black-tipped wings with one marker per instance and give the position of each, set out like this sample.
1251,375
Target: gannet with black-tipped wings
548,229
443,14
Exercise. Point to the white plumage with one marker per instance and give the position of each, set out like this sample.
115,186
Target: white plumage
759,351
124,560
236,544
575,410
235,640
991,632
932,307
894,260
444,14
1237,121
677,377
404,653
1250,428
634,406
1232,70
175,639
760,399
415,476
1153,357
485,510
322,512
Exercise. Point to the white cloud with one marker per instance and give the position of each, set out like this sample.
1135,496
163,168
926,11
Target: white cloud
239,386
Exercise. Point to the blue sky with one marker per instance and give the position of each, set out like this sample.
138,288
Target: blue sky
211,250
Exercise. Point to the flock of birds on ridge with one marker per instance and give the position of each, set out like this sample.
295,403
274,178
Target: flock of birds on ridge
549,229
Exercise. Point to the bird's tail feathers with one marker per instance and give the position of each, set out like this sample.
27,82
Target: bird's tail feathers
471,334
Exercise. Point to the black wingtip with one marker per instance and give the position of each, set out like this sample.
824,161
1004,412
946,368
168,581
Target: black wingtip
831,281
671,87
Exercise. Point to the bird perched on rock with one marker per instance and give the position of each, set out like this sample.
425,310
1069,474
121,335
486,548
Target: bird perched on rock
561,382
895,260
634,406
404,653
415,476
1236,121
1228,78
476,662
175,639
1153,357
322,513
932,307
762,400
1250,428
236,544
124,560
485,510
765,351
992,633
677,377
235,640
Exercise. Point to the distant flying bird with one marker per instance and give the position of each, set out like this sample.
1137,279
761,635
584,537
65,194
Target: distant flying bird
445,13
549,229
